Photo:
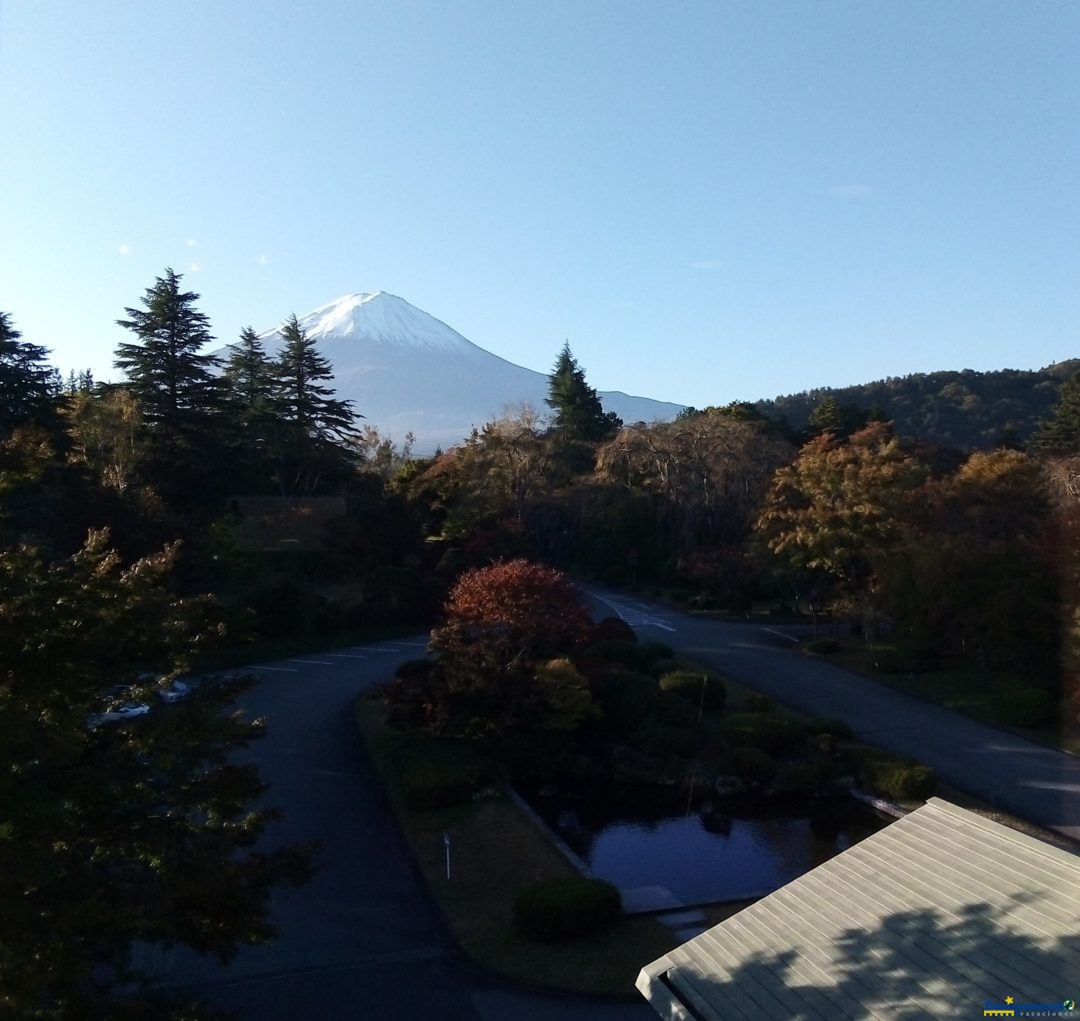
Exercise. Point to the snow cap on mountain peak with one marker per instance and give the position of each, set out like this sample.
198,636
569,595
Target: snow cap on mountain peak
380,317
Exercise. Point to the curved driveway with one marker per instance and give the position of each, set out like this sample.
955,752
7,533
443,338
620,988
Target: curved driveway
1028,780
361,940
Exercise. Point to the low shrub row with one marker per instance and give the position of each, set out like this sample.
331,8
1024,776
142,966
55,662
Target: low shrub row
554,909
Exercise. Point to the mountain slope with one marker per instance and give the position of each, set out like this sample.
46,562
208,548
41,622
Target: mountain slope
966,410
407,371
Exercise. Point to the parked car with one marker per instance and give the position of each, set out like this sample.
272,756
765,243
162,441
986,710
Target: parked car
117,713
175,692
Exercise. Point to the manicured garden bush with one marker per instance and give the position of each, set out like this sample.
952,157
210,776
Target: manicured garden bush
796,779
1029,707
903,782
752,764
756,702
822,646
554,909
827,725
661,667
689,684
770,732
627,654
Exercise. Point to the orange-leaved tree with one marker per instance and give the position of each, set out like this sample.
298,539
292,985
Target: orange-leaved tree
504,626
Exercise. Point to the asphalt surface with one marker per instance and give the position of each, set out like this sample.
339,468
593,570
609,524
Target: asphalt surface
364,941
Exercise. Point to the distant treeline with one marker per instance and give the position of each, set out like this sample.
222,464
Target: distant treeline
966,410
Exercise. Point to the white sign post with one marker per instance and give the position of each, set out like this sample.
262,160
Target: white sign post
446,843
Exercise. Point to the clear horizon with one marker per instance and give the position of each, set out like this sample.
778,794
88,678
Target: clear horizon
711,203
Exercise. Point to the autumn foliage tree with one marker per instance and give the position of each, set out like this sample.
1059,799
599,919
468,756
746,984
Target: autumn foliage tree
502,648
840,508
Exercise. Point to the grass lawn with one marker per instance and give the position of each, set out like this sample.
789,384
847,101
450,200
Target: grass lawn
495,850
970,690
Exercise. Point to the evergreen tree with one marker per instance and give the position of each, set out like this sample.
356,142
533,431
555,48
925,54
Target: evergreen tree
317,428
174,384
579,415
251,375
181,399
256,431
1059,435
28,384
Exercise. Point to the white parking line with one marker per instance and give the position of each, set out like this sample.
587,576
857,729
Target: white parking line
346,655
419,645
370,649
276,669
312,662
779,634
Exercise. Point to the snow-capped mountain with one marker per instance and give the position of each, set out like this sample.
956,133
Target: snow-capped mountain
408,372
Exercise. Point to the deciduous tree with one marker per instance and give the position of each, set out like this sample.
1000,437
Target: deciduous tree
120,834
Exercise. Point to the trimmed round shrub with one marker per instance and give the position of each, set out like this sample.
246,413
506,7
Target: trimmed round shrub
627,654
554,909
1030,707
795,779
769,732
688,684
827,725
663,666
822,646
428,788
756,702
752,764
904,782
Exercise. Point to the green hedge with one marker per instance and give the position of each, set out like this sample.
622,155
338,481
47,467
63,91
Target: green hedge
555,909
770,732
903,782
827,725
626,654
752,764
688,684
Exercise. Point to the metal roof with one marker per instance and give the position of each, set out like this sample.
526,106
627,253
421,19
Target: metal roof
940,914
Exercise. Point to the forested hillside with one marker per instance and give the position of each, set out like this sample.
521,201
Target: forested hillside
966,410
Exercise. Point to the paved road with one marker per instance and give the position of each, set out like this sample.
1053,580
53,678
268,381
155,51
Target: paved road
362,940
1028,780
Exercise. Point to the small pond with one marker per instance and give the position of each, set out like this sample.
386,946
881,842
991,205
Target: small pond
643,839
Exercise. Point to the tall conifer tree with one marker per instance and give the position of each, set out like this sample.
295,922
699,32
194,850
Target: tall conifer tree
1059,435
316,427
181,398
172,380
28,384
579,415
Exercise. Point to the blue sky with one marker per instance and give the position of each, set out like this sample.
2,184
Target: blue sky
711,201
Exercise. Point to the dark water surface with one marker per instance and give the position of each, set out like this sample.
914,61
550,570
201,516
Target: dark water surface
705,852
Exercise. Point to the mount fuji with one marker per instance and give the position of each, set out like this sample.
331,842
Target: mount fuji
406,372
